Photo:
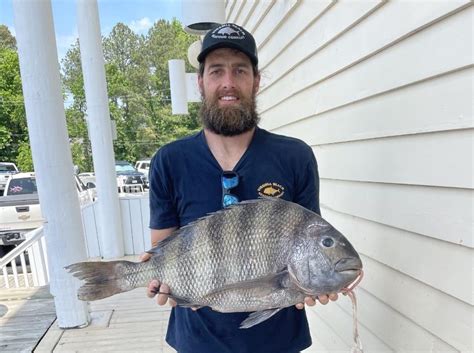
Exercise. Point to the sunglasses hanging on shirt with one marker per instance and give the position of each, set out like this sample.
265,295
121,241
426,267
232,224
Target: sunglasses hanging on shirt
229,180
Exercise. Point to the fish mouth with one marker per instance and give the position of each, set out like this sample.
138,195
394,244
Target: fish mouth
349,266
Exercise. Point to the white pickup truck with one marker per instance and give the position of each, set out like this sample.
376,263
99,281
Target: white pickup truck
7,169
20,210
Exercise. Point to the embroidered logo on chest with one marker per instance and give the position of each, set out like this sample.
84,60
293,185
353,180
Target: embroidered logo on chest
271,189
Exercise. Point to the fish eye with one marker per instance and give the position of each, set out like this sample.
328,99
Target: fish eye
328,242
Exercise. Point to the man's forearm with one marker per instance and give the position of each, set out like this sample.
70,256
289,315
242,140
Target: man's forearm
158,235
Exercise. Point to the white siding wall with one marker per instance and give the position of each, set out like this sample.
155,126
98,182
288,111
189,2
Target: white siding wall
383,92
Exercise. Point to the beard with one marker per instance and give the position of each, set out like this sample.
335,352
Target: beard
229,120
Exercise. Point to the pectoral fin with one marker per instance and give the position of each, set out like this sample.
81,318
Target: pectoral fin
260,287
181,301
258,317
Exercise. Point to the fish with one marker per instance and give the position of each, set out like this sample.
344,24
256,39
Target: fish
256,256
228,31
270,191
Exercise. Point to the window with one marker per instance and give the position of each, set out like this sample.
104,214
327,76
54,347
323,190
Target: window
22,186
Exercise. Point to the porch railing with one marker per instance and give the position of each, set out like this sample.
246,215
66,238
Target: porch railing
26,265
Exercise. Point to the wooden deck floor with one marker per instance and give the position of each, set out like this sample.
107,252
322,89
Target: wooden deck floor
127,322
25,315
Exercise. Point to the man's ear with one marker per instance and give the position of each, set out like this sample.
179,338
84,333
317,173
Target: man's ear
200,84
256,83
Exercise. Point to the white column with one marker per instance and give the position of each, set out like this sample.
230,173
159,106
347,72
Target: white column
100,132
199,16
51,154
179,99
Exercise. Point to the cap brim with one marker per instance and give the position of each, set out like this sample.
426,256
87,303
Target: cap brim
202,55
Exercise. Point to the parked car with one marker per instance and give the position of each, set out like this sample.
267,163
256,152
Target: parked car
143,166
20,210
88,178
7,169
129,180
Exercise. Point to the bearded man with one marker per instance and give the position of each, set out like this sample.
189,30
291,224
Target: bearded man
230,160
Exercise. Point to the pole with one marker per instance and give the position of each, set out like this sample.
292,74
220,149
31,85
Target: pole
100,132
51,155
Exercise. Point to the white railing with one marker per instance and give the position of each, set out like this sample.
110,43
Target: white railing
35,272
134,217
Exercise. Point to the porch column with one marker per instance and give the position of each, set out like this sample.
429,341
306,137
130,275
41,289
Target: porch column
100,132
51,154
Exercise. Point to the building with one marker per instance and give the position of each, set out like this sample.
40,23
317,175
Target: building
383,92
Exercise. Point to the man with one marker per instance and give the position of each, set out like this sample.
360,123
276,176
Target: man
231,160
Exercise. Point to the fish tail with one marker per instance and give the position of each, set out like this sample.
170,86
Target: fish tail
102,279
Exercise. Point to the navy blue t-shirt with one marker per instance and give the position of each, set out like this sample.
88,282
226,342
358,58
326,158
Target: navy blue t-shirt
185,184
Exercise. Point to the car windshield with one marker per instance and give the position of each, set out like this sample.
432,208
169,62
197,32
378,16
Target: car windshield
124,168
22,186
6,168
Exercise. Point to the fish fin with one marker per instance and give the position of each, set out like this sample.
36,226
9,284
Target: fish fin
183,302
102,279
262,285
258,317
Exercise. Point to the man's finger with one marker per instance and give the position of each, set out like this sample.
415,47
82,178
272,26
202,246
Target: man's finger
153,288
144,257
309,301
163,298
299,306
333,296
323,299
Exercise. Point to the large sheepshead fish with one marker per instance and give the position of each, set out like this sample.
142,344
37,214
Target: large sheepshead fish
257,256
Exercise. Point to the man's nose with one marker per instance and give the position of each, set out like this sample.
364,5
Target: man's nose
228,80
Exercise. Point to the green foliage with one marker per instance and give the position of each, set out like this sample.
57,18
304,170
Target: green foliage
13,130
7,41
136,68
24,161
138,87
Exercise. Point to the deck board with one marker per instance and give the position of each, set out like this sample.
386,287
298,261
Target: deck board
128,322
28,314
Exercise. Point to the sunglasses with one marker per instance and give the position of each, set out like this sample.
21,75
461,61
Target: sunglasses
229,180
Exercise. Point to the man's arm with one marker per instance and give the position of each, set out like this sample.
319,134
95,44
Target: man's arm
157,235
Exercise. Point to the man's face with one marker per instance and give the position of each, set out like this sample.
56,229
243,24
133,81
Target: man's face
228,87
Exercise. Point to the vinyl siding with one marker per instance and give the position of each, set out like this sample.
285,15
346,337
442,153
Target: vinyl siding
383,92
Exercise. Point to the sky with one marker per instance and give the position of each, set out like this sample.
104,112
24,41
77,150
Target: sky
139,15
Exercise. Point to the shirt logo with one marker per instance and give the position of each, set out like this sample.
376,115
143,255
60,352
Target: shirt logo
228,31
271,189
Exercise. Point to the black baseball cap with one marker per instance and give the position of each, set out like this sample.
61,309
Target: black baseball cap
229,35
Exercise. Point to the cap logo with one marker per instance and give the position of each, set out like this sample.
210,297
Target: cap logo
228,31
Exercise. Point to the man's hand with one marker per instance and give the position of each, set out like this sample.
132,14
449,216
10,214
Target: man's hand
154,288
323,299
144,257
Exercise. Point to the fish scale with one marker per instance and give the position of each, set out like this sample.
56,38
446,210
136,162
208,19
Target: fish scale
258,255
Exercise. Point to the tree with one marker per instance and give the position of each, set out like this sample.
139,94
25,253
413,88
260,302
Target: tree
24,161
13,127
138,87
7,40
